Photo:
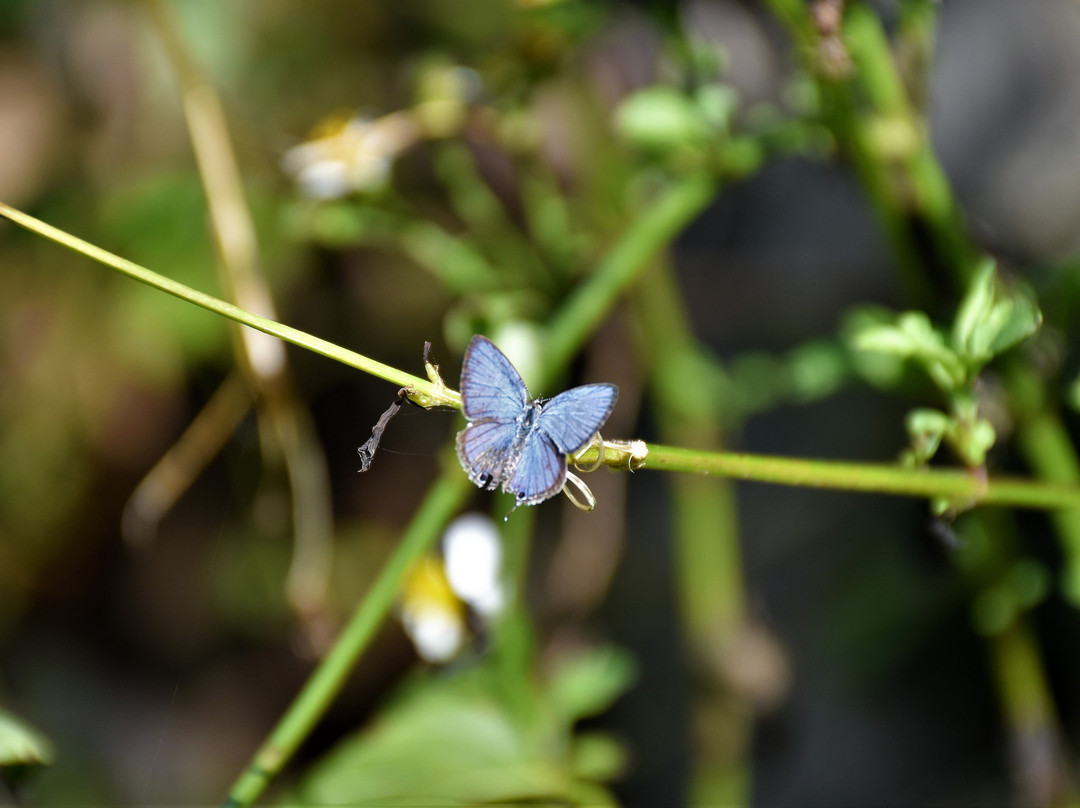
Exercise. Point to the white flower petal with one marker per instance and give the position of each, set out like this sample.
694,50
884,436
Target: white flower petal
437,634
473,554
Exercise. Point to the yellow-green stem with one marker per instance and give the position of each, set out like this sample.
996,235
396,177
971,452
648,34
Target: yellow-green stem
426,393
961,487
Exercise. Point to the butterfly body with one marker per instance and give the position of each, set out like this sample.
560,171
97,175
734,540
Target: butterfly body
519,442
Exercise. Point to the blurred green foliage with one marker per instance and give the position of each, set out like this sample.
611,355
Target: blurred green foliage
450,737
498,153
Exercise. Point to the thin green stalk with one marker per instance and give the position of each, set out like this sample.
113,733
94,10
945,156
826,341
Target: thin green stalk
512,644
710,567
926,190
443,499
1047,448
1028,705
957,485
708,556
650,232
426,393
262,359
887,141
962,488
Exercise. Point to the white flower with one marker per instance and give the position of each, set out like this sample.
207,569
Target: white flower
437,634
473,557
431,613
355,155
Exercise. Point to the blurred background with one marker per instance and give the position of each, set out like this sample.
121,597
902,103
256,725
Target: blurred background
183,530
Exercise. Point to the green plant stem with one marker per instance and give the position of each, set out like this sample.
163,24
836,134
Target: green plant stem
650,232
1028,706
883,134
709,563
708,557
1046,447
512,643
443,499
1041,437
888,479
426,393
960,487
925,190
283,423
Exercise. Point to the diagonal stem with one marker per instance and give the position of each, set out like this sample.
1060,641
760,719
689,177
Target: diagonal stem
423,392
955,484
443,499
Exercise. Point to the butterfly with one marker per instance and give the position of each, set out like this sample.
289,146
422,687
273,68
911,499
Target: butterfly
516,440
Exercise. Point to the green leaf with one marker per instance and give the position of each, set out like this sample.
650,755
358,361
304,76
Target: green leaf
21,744
1019,320
973,443
718,104
990,320
588,685
451,740
817,370
882,370
441,744
926,428
597,756
974,308
662,118
914,337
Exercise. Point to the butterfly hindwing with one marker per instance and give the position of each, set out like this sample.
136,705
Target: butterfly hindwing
573,417
484,451
539,470
491,389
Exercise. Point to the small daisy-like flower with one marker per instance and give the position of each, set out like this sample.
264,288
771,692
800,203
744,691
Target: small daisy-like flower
350,155
433,616
437,593
473,554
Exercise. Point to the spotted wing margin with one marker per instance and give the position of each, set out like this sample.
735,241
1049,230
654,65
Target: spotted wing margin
491,389
539,471
484,449
572,418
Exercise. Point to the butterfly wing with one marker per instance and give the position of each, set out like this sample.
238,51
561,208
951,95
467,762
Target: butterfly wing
530,463
572,418
491,389
493,397
484,449
539,470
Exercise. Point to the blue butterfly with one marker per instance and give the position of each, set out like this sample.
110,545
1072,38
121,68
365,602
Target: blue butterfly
515,440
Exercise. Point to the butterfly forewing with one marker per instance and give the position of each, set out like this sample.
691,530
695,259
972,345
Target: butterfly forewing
491,389
572,418
539,470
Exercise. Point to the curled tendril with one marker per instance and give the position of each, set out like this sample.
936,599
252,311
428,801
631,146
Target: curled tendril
599,441
586,492
590,499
